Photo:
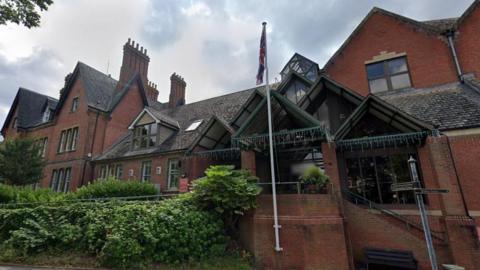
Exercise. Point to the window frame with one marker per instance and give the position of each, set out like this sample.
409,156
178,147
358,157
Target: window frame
146,176
373,153
177,174
75,103
387,75
43,144
138,136
68,140
61,179
118,171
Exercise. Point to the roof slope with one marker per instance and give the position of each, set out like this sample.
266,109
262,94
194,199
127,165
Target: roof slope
447,106
31,106
224,108
99,87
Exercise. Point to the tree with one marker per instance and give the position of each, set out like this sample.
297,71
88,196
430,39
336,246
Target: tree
24,12
21,162
227,191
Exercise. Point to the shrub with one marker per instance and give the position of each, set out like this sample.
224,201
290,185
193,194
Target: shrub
16,194
113,188
121,234
314,176
227,191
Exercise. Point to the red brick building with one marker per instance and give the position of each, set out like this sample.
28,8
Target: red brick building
397,88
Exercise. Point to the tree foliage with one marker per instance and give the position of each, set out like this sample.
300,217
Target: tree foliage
21,161
227,191
24,12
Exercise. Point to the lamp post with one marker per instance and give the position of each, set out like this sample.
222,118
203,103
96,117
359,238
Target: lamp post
423,213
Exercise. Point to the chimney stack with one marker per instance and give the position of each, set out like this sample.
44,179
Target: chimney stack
135,60
177,91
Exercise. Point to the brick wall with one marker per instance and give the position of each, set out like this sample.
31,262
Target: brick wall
425,52
136,165
467,43
367,229
312,233
466,154
123,115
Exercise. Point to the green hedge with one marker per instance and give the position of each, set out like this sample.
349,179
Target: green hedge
120,234
98,189
113,188
16,194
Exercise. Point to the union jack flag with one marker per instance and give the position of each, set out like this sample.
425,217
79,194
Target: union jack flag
261,58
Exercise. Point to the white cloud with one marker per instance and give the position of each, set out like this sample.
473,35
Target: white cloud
213,44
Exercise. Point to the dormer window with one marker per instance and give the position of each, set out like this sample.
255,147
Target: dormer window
46,115
145,136
390,74
193,126
74,104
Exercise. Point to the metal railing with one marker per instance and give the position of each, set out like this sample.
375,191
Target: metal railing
296,184
357,199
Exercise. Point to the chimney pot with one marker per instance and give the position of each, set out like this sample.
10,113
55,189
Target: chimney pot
136,47
129,39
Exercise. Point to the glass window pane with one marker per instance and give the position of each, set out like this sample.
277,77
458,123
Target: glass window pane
375,70
400,81
143,142
378,85
152,140
153,129
397,65
144,130
136,144
369,179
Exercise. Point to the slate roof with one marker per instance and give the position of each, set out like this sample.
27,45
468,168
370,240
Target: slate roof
223,107
99,87
31,106
447,106
442,24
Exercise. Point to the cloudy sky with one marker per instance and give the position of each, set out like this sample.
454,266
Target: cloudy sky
212,44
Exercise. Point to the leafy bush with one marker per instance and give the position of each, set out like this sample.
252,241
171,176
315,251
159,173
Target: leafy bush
16,194
113,188
314,176
227,191
121,234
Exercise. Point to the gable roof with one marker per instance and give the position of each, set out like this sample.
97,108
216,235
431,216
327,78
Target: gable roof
117,96
381,109
30,106
329,85
224,108
432,28
298,114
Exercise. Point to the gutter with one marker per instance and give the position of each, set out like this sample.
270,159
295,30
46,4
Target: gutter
451,44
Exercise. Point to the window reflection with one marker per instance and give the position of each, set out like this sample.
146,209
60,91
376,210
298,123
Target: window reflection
372,177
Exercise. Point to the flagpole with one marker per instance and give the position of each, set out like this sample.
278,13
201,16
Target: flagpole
270,140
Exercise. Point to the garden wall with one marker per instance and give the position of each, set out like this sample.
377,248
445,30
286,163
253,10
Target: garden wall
312,233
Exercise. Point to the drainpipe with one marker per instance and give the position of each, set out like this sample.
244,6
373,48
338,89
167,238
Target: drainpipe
464,202
450,35
91,150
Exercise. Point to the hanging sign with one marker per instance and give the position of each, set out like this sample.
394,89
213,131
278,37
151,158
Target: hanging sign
183,185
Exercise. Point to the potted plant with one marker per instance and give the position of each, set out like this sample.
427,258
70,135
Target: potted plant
313,180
